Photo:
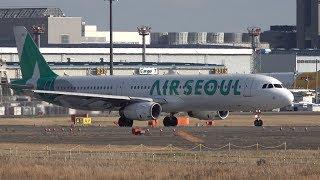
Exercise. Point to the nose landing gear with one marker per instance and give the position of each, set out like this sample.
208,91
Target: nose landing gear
258,121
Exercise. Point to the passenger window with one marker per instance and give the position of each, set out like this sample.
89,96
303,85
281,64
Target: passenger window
264,86
270,86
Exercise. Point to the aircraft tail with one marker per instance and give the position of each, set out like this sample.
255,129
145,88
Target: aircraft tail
33,65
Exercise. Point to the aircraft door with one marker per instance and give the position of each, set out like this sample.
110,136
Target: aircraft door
248,87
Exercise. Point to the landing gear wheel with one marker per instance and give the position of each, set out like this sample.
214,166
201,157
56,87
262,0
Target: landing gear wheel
166,121
258,122
125,122
170,121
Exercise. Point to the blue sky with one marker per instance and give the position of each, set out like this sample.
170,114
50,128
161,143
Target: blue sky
175,15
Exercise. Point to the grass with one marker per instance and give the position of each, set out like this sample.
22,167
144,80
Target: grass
98,163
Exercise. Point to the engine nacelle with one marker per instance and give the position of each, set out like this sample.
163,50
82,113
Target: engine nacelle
142,111
209,115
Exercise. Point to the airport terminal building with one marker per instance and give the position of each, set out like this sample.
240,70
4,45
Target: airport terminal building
297,61
79,61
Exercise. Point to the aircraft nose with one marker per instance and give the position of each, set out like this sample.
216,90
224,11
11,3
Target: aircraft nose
288,98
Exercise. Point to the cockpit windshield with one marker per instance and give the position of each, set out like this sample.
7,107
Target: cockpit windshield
278,86
264,86
269,86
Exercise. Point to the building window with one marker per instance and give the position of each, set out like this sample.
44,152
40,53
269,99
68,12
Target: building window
65,39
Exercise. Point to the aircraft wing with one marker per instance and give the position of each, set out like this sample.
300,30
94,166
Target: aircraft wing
89,101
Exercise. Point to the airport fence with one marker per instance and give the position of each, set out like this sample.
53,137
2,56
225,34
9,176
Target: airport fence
79,149
200,153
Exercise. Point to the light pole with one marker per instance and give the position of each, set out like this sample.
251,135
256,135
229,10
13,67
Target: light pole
144,31
317,76
255,33
37,32
111,37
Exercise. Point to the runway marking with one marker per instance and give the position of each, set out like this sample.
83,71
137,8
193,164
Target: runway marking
189,137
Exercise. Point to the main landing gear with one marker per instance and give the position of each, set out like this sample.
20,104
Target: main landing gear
170,121
258,121
125,122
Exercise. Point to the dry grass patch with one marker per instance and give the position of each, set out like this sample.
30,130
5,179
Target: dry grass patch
118,164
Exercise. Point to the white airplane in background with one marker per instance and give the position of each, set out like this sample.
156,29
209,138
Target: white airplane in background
143,98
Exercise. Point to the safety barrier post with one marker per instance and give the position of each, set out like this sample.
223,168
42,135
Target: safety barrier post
229,146
141,146
109,150
257,146
47,150
153,156
285,146
200,147
195,158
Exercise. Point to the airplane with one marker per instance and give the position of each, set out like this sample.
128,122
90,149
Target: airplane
143,98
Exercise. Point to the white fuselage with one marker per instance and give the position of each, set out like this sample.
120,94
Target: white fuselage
179,93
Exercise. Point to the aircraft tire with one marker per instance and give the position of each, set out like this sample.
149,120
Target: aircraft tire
166,121
170,121
173,121
124,122
258,123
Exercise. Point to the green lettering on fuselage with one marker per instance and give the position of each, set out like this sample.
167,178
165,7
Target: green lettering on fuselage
155,86
188,87
164,88
207,87
225,90
236,90
174,87
198,87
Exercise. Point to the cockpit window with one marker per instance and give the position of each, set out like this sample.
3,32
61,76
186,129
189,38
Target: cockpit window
264,86
270,85
278,86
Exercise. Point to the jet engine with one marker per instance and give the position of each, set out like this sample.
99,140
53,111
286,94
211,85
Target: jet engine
142,111
209,115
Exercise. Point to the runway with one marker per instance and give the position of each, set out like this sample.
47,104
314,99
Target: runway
300,137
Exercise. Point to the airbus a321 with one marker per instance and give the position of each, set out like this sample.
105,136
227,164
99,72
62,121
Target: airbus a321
143,98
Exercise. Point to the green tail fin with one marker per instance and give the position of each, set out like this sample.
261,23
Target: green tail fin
33,65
